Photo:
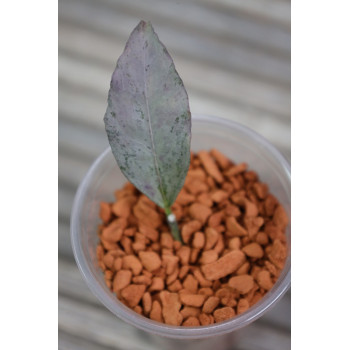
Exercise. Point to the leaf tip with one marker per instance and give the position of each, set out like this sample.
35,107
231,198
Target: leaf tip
144,25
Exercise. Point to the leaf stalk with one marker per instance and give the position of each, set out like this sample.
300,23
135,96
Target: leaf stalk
174,228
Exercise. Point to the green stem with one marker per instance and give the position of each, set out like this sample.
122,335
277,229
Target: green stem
174,228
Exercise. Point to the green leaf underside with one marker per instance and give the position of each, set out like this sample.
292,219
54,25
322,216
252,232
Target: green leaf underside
148,121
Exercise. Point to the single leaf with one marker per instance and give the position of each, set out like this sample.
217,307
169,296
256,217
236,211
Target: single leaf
148,121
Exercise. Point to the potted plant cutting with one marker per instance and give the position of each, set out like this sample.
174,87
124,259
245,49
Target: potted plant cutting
193,239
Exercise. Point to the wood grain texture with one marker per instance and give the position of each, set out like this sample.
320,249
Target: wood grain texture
234,59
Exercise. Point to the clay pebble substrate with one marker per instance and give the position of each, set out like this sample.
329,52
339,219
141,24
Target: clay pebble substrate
233,250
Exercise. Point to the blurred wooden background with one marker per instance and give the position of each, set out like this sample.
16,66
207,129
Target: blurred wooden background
234,59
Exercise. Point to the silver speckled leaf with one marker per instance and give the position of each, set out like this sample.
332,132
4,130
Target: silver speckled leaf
148,121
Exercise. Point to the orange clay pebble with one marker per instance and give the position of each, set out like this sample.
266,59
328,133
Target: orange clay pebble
130,232
206,291
218,196
131,262
171,308
191,322
122,207
195,300
184,198
234,229
133,293
262,238
233,250
184,271
220,244
242,306
108,260
149,232
197,173
170,262
270,204
175,286
121,280
105,212
224,266
264,280
142,279
278,254
227,297
199,212
198,240
147,215
236,169
118,262
188,311
138,309
280,218
234,243
215,219
126,243
157,284
253,250
190,283
204,198
261,190
208,256
244,269
195,186
200,278
220,158
243,284
156,312
171,278
271,268
194,255
109,274
250,209
223,313
210,166
210,304
211,237
166,240
253,224
150,260
274,232
113,232
204,319
184,254
189,228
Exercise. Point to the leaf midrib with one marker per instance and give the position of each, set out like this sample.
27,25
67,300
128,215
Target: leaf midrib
155,160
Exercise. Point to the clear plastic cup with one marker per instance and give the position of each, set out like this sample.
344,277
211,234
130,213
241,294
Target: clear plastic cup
241,145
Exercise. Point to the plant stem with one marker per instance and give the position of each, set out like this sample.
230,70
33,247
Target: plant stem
174,228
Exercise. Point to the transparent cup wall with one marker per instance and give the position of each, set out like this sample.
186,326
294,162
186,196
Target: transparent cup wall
104,177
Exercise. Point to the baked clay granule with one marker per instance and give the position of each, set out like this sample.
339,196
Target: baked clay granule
234,245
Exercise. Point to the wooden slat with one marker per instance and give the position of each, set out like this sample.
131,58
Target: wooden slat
64,244
67,341
82,106
110,21
90,322
234,58
212,80
72,284
79,139
71,170
271,11
97,324
65,200
228,27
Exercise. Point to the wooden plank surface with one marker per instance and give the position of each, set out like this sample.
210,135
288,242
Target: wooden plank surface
234,58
